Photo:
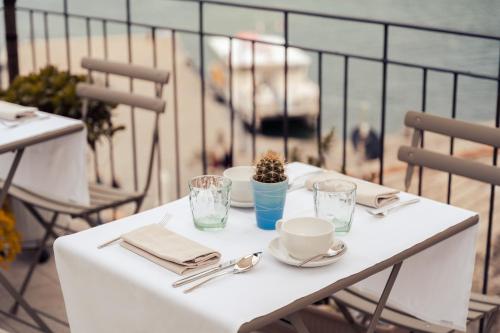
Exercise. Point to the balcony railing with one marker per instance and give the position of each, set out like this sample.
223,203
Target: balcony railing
203,7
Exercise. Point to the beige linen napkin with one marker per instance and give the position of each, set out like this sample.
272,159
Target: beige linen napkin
11,111
168,249
368,194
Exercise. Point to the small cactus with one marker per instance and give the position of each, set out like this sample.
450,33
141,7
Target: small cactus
270,168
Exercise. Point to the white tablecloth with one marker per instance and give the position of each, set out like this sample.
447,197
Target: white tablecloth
56,168
114,290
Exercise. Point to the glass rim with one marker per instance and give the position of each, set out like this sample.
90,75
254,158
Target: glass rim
226,181
353,185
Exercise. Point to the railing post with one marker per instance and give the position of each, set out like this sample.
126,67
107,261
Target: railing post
383,102
9,12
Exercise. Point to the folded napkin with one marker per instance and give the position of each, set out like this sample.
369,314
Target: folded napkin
168,249
367,194
10,111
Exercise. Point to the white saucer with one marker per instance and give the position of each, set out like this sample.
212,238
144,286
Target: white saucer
239,204
282,255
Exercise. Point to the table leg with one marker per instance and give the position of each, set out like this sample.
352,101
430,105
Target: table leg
34,264
384,297
298,323
3,280
10,176
22,302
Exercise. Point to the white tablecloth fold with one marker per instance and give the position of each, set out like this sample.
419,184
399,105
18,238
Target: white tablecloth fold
113,290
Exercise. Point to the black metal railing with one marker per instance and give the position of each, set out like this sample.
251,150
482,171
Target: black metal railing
346,57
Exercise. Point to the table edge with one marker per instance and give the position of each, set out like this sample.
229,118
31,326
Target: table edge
41,138
301,303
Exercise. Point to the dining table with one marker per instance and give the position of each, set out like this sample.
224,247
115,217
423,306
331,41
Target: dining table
44,154
419,259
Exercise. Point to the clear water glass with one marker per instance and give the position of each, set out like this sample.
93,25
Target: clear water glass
210,198
334,201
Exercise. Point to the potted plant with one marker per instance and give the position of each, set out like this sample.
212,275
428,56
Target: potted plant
270,185
54,91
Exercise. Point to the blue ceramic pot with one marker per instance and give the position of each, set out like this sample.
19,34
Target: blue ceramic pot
269,199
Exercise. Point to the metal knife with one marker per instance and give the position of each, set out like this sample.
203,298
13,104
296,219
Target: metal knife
204,273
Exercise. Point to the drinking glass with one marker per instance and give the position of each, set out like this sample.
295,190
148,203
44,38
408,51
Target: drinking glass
334,201
209,198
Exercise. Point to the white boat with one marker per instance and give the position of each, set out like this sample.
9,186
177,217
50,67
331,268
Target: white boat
269,63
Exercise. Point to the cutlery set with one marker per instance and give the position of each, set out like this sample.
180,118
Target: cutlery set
242,265
384,211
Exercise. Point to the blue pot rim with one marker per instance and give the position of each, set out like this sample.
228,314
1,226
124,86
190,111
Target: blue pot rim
269,184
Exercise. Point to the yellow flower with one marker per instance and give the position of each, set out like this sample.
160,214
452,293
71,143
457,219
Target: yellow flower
10,240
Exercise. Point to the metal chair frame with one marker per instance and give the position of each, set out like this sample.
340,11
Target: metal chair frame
481,307
91,214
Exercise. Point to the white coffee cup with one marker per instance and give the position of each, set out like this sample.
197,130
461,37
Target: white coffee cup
305,237
241,188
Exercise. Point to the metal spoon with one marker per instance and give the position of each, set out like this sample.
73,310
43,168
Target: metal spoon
385,211
243,265
333,251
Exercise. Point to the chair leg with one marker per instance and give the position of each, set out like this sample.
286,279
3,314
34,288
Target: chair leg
38,217
384,297
22,302
31,269
90,221
138,205
345,312
298,323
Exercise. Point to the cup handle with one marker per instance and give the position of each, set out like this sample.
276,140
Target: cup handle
279,224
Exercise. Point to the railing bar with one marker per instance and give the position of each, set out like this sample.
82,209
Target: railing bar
32,40
46,36
114,181
492,195
176,117
105,48
353,19
158,144
423,107
231,109
452,139
202,82
344,115
322,15
384,91
334,53
96,166
66,34
254,108
320,99
131,89
348,18
89,39
285,104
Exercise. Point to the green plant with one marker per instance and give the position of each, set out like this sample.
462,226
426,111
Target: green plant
270,168
54,91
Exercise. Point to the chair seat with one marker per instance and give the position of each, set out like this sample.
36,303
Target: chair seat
104,195
478,308
101,197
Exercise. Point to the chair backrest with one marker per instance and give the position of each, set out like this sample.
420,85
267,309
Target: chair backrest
91,91
416,156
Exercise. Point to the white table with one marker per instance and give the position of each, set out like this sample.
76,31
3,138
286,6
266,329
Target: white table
116,290
51,166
